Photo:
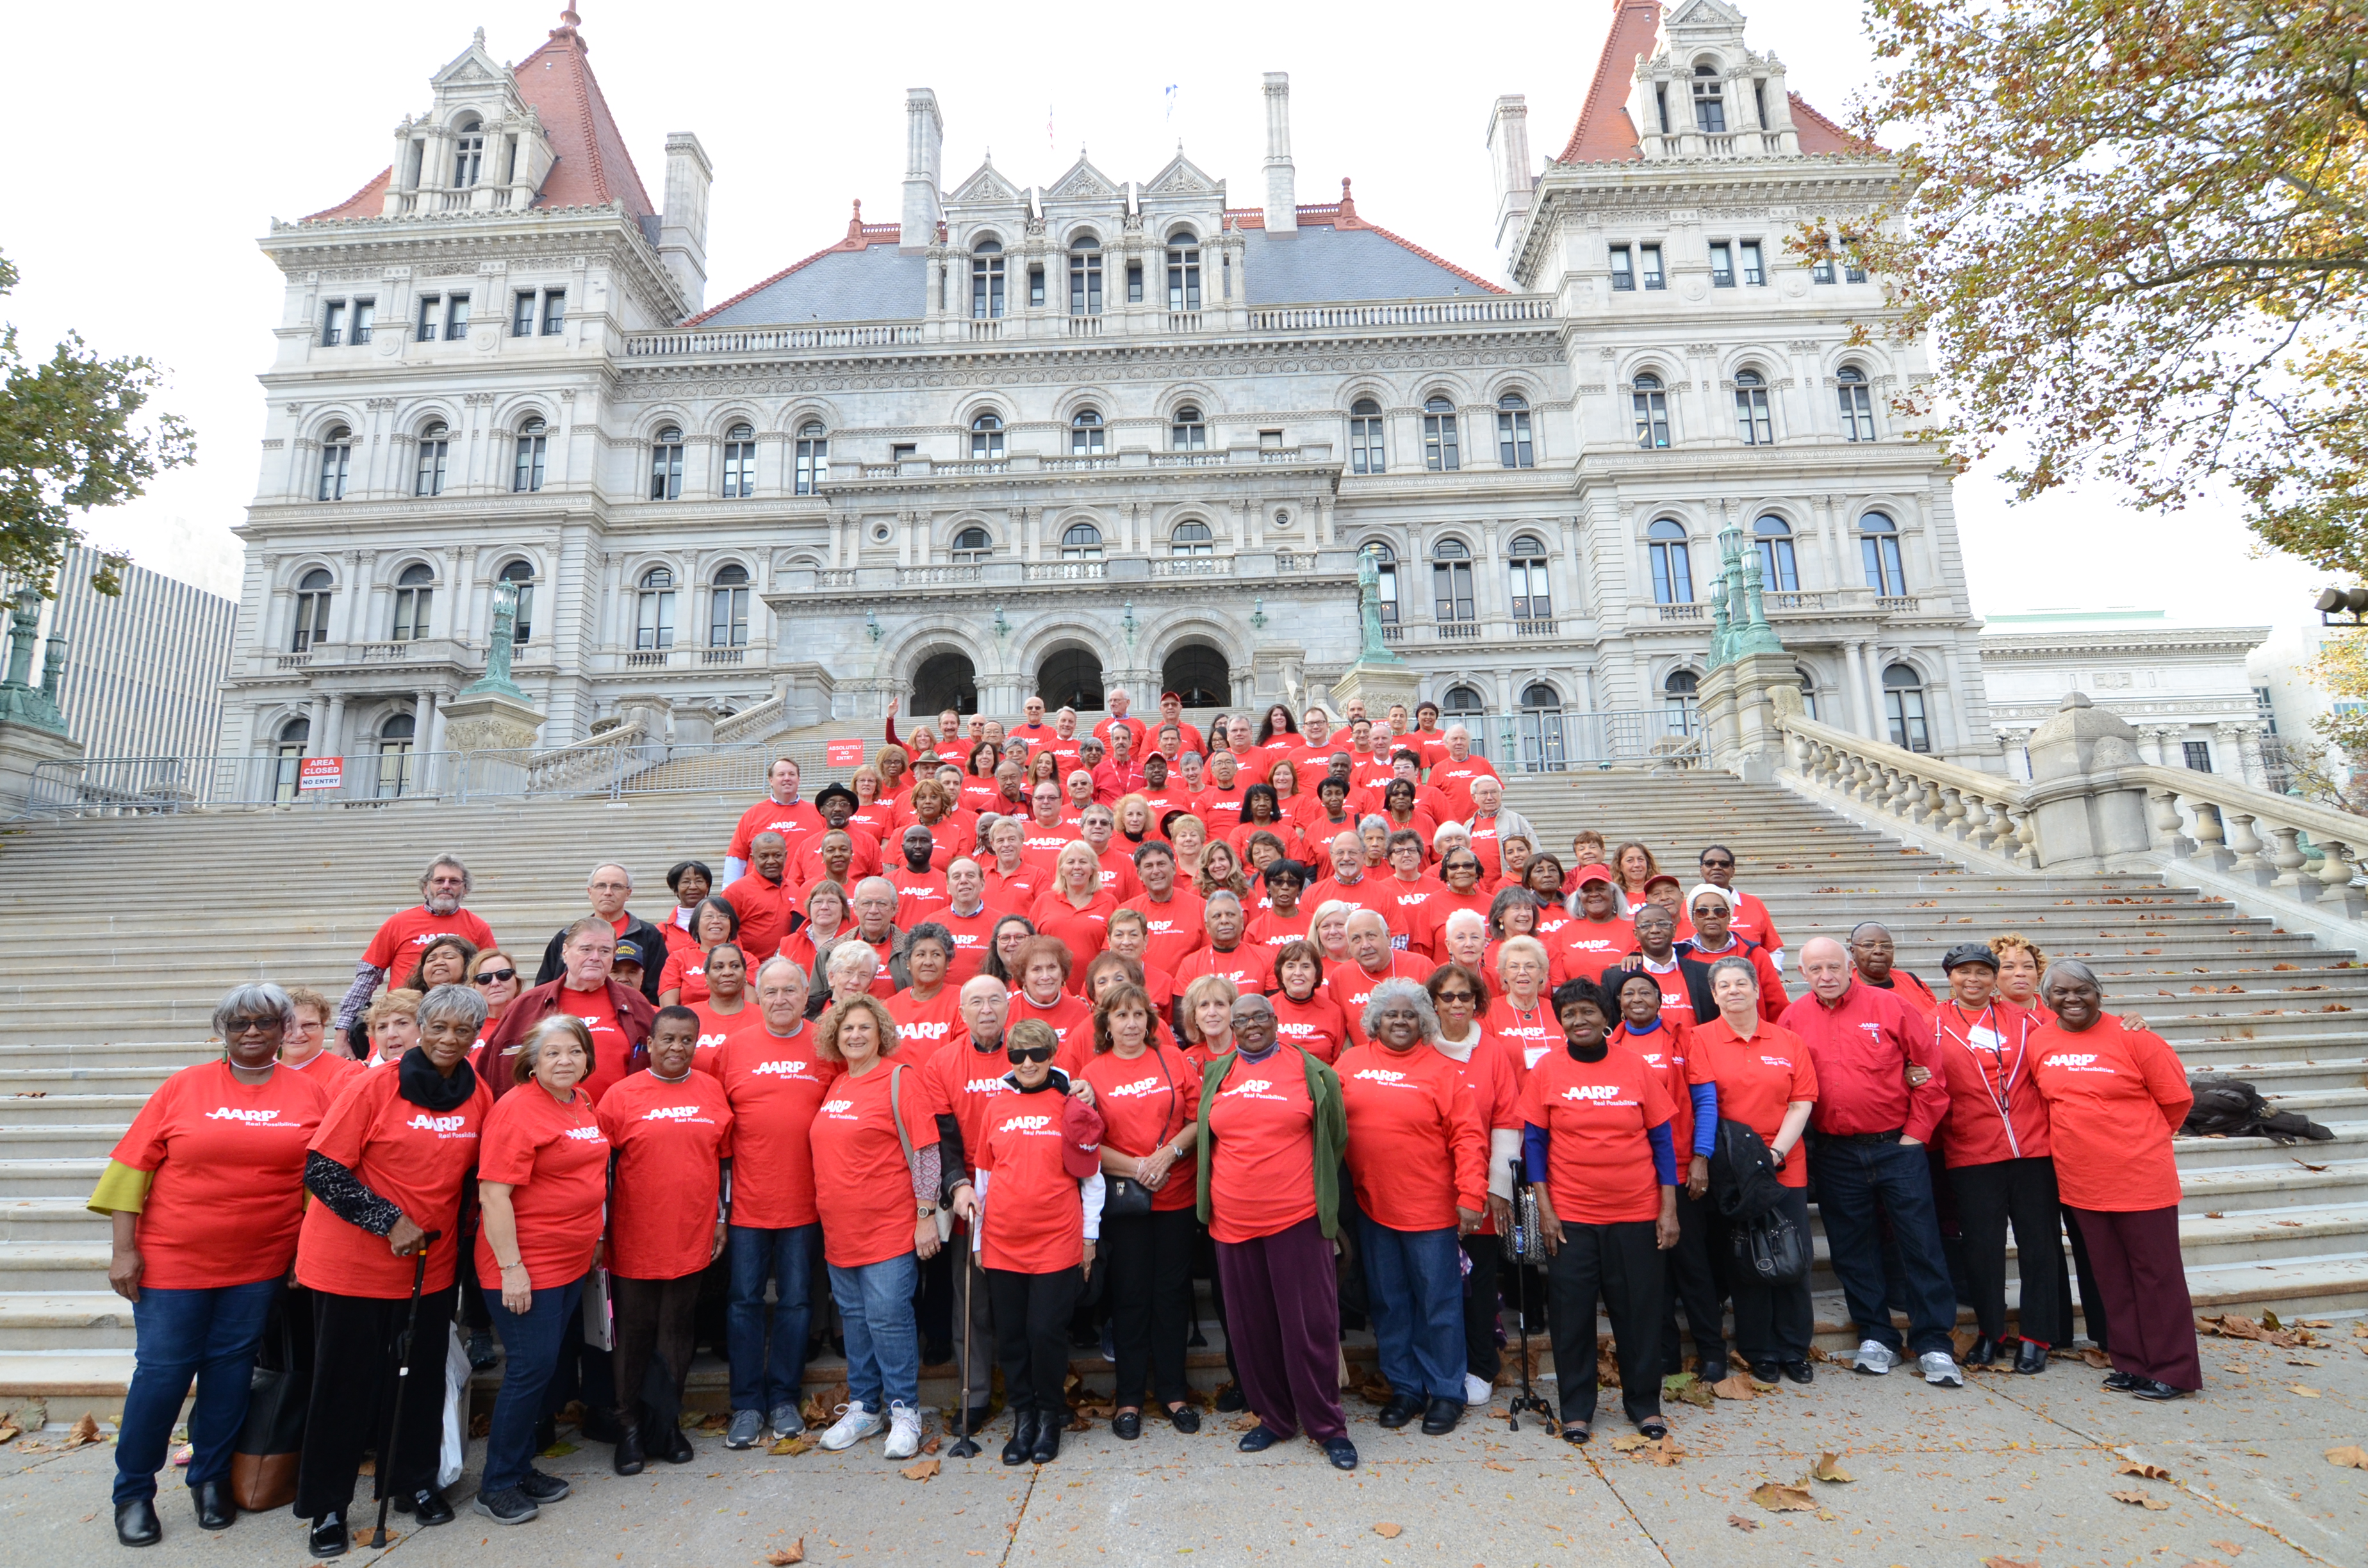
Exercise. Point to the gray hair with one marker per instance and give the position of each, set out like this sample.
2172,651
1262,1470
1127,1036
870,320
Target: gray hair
2070,968
530,1049
843,955
791,964
1372,819
1227,894
467,881
1390,991
928,931
256,999
463,1001
605,865
1740,964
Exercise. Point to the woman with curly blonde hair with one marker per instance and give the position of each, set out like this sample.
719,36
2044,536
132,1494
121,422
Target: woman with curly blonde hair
1221,872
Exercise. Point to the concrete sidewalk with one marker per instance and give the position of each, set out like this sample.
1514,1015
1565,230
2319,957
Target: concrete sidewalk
2010,1466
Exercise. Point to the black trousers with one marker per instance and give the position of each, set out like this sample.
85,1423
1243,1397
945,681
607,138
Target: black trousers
1031,1336
1147,1261
1695,1282
356,1356
1481,1359
655,1325
1989,1196
1619,1263
1774,1323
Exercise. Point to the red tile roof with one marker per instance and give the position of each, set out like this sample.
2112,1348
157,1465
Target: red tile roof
1604,133
1818,134
367,202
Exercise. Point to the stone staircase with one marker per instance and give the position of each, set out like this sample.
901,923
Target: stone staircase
106,995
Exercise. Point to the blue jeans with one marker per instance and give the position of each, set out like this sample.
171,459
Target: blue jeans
1415,1285
531,1343
769,1349
1856,1185
207,1334
884,1347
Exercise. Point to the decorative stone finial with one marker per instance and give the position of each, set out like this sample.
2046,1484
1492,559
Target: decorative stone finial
855,227
1347,205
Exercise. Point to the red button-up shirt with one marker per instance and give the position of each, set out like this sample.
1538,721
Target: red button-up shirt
1861,1044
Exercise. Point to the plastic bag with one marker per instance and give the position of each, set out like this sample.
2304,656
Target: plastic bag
457,1373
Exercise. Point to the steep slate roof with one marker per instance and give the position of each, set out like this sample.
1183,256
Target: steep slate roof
593,167
862,278
1604,133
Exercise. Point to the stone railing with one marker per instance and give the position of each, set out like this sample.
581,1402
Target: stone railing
590,762
2275,841
752,722
1944,805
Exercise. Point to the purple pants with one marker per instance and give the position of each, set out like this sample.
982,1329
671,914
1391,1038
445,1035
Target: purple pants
2150,1319
1282,1317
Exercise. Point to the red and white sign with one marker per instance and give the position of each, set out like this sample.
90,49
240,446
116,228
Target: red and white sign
843,754
321,773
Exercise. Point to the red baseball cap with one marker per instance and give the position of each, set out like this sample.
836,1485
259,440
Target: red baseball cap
1595,874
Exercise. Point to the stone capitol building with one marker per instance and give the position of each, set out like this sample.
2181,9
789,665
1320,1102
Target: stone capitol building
1054,438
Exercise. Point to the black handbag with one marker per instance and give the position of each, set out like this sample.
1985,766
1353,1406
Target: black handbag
1123,1198
1774,1249
263,1461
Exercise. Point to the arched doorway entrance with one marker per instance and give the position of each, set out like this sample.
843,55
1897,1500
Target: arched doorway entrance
1070,677
943,681
1197,672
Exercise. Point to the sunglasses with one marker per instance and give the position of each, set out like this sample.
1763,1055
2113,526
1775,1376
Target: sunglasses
1019,1054
240,1026
1453,996
493,976
1718,865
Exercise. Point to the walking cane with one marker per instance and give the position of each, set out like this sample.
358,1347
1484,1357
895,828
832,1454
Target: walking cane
1523,1242
402,1384
963,1448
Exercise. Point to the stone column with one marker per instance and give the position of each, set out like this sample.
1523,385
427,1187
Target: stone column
427,721
332,739
316,727
1854,685
1878,726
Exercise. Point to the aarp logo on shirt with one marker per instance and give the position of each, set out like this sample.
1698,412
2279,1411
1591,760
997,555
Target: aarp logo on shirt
1595,1094
442,1126
251,1118
1378,1075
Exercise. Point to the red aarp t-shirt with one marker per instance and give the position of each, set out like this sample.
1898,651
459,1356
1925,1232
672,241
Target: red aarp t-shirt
1314,1026
415,1159
765,910
974,937
226,1196
668,1139
773,1086
1526,1036
924,1026
1250,968
1071,1018
612,1054
1262,1153
715,1027
1144,1102
1758,1079
398,941
1033,1220
555,1159
965,1082
329,1072
2114,1096
793,822
1084,932
1416,1149
1174,930
1350,988
863,1189
1596,1114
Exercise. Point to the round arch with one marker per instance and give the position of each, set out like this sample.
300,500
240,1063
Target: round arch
1197,673
944,679
1070,676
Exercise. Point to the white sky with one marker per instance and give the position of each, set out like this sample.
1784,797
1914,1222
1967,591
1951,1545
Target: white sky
178,132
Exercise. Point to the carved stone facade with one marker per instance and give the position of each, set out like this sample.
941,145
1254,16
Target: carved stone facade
2183,690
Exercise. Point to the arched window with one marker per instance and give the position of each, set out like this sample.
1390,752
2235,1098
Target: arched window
396,738
727,607
1451,582
1188,431
1710,107
1183,271
337,461
986,279
1438,450
532,452
1856,404
1368,452
1878,547
1542,739
1751,418
1192,538
413,595
1082,542
739,462
312,611
288,757
1086,277
1808,690
1779,573
1463,704
665,465
654,626
1085,434
1652,406
435,446
986,436
1513,449
468,154
1902,703
813,456
1533,601
522,573
973,545
1385,588
1680,702
1673,571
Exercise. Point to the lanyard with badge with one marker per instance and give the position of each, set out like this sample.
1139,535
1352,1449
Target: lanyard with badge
1982,1038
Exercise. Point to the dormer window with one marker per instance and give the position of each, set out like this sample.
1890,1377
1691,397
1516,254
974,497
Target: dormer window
986,279
1710,107
468,154
1086,277
1183,271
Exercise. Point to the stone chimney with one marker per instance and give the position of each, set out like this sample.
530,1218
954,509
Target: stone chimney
1282,180
1508,157
682,228
925,146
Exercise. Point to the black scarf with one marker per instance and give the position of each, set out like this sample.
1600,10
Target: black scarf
430,1090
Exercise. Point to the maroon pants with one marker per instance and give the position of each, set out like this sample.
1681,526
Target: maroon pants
1282,1317
2139,1272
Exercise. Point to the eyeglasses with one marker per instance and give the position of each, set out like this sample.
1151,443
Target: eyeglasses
493,976
1453,996
1019,1054
240,1026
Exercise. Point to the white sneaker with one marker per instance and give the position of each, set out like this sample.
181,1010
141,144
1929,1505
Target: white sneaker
1872,1358
903,1431
1476,1391
1941,1369
855,1423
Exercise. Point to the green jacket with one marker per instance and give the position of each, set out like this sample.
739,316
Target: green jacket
1331,1128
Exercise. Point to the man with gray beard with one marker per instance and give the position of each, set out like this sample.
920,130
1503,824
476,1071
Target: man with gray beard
442,889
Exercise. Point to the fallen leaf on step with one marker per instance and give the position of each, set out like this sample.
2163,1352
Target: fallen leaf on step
30,1095
1628,1443
2304,1390
1666,1453
782,1556
1828,1468
921,1471
84,1432
1686,1388
2309,1166
1739,1522
1245,1422
791,1446
2351,1456
2097,1359
9,1431
2140,1498
2150,1472
1734,1385
1492,1464
1779,1498
1389,1531
2005,1563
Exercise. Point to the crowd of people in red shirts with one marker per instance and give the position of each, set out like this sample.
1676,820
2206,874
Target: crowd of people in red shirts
1007,1039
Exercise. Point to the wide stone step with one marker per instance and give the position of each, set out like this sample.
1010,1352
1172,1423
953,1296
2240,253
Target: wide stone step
49,1178
44,1220
60,1265
64,1320
2308,1179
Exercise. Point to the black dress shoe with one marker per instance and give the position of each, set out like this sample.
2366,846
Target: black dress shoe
1800,1371
1341,1452
426,1505
1712,1372
2151,1388
1401,1409
1048,1440
1231,1401
628,1459
329,1536
135,1523
1023,1438
215,1509
1127,1425
2032,1357
1441,1416
1186,1419
672,1445
1767,1371
1258,1439
1983,1352
2124,1382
